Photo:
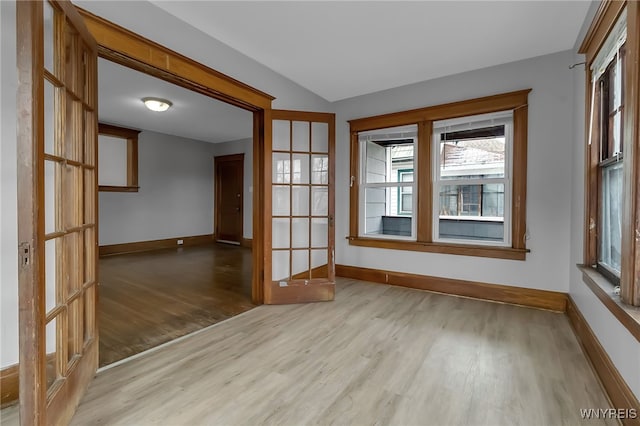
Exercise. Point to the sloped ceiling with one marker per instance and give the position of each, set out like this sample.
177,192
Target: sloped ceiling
344,49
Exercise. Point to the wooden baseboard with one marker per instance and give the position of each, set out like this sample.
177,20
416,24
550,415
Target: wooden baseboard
619,392
9,379
544,299
155,244
246,242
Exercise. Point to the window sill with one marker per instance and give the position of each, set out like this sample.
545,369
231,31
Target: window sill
629,316
108,188
458,249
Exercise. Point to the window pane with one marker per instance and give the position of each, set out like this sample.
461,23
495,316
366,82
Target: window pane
280,265
472,158
472,212
320,169
49,118
51,272
300,201
49,36
611,217
51,187
474,146
387,151
319,137
383,215
300,263
493,200
300,172
52,352
300,232
281,200
281,168
281,135
281,233
320,201
301,136
319,258
319,232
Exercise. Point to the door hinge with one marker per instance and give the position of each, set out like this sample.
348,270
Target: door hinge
24,254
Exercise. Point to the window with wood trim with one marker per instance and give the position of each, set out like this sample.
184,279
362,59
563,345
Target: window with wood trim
386,182
612,49
448,179
117,158
472,177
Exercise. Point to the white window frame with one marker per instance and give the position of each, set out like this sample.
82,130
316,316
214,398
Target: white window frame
402,172
394,133
450,125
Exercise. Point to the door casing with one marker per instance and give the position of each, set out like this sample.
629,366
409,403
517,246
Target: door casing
126,48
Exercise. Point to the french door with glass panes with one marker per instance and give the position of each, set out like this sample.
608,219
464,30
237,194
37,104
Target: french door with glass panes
302,207
57,134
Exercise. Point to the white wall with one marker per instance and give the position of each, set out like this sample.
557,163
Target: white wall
242,146
113,155
175,198
621,346
8,191
548,177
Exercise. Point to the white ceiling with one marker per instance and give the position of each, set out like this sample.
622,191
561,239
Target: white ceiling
344,49
192,115
339,49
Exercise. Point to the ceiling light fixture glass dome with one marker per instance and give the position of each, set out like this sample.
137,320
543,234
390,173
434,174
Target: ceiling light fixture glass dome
157,104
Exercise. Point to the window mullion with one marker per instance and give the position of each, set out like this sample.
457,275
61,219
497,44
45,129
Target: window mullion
424,188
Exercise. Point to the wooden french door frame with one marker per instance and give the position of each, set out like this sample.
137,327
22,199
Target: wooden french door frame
218,185
126,48
57,209
303,250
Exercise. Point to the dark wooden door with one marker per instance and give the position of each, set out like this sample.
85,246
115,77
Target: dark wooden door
57,228
229,173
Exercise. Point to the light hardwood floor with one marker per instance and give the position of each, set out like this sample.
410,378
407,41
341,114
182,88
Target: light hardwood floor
376,355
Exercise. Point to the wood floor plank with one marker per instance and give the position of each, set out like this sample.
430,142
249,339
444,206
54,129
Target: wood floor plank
376,355
150,298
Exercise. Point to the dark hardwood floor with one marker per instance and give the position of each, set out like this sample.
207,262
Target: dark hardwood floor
150,298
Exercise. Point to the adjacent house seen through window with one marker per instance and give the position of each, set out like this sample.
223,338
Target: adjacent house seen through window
387,181
472,178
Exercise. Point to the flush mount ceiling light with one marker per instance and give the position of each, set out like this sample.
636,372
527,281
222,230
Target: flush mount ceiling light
157,104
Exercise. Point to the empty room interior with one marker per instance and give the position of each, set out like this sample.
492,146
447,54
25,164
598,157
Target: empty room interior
404,213
162,275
